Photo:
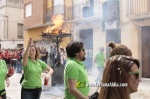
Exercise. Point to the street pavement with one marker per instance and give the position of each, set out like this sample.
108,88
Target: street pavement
56,92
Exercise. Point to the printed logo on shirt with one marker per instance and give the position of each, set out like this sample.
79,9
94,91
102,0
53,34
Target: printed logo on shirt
81,84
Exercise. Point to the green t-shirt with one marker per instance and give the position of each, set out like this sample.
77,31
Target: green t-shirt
32,74
3,73
100,59
76,70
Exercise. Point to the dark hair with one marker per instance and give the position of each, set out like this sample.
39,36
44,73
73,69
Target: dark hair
119,49
73,47
116,70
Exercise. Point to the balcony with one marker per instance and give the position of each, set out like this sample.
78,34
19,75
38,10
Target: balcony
138,9
17,3
76,12
87,10
60,9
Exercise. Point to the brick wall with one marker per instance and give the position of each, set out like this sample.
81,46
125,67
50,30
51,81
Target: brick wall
38,11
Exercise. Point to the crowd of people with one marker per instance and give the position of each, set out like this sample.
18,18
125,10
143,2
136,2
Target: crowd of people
121,67
33,67
56,56
13,58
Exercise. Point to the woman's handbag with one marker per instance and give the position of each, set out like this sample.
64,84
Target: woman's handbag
95,95
21,78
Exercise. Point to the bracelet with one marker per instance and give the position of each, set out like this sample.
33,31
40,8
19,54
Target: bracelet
8,75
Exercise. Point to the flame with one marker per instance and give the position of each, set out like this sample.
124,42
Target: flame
57,20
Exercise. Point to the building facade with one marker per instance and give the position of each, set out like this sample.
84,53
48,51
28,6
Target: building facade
135,26
38,15
95,23
11,23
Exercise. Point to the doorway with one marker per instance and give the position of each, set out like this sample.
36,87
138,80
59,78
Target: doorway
86,36
146,52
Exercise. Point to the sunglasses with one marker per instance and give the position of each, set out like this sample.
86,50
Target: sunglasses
83,50
136,74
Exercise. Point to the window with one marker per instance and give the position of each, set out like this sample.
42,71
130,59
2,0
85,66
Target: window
58,2
28,10
58,6
10,2
20,31
16,2
20,45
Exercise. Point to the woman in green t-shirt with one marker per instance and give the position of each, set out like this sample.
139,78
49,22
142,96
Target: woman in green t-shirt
120,78
32,83
121,68
3,76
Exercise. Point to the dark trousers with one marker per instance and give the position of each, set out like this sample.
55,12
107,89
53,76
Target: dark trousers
31,93
3,96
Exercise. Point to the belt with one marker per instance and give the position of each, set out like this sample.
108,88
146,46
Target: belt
35,89
1,91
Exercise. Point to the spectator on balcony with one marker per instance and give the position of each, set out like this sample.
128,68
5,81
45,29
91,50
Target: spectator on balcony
31,84
75,75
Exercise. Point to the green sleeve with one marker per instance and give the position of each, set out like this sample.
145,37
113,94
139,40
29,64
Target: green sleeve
5,66
43,64
72,71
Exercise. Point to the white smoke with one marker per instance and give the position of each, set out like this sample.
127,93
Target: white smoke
54,92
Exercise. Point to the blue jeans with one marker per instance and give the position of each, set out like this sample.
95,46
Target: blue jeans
19,66
30,93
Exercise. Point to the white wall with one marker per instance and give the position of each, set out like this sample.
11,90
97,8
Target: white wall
10,44
2,2
15,16
123,11
1,27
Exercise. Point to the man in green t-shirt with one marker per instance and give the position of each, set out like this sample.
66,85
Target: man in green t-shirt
75,75
99,60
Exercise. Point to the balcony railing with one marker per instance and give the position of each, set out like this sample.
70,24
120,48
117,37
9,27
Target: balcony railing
138,7
60,9
12,3
77,11
89,9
